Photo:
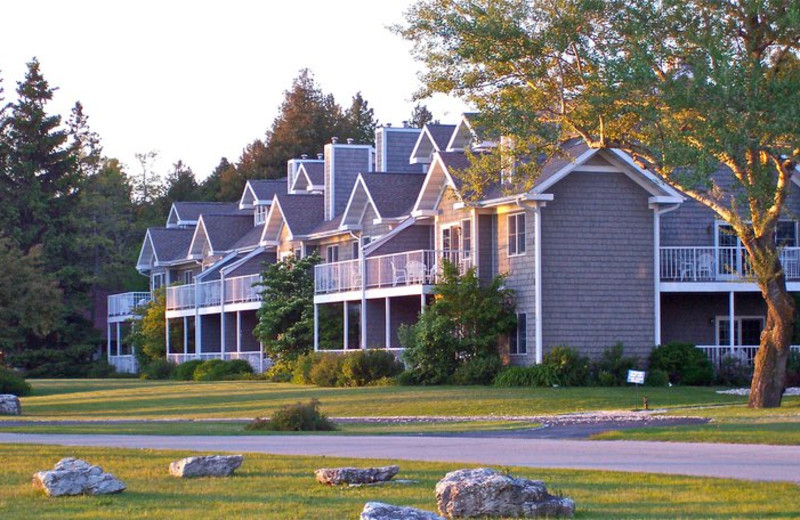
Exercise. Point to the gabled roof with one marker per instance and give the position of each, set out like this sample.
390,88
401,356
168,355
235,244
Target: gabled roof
163,246
310,176
187,213
300,213
433,138
219,233
469,134
393,193
250,239
260,192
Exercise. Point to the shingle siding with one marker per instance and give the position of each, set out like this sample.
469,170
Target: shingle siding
410,239
399,143
597,265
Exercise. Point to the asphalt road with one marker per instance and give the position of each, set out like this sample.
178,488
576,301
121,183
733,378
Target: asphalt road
738,461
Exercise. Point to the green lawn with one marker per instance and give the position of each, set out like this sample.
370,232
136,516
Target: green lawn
130,398
736,424
272,487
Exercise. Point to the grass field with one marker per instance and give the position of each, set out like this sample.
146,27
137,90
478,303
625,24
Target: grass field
270,487
131,398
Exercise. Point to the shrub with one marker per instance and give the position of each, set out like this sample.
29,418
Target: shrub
157,369
304,417
612,367
185,371
326,370
657,377
363,367
301,368
685,364
220,370
533,376
480,370
13,383
569,367
101,369
733,372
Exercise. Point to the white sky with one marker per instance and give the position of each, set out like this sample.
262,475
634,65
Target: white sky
198,80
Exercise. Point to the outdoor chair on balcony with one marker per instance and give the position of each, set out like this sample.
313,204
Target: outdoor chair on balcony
398,275
416,271
700,268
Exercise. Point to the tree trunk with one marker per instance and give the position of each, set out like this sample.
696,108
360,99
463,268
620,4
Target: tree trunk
769,376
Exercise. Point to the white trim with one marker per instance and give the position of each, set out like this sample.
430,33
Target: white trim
173,210
413,159
359,180
147,239
242,204
564,171
378,242
330,183
672,192
508,216
732,338
200,224
538,330
456,131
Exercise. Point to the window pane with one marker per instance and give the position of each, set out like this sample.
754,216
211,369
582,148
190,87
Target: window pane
751,331
522,331
512,235
521,233
785,234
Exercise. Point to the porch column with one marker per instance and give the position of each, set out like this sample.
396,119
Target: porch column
731,322
316,327
388,341
108,341
537,246
346,327
362,265
166,333
238,332
198,335
119,339
185,335
222,338
422,303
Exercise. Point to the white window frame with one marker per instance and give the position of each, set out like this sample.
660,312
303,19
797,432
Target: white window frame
332,250
260,214
356,250
517,238
157,281
188,278
520,337
738,321
466,245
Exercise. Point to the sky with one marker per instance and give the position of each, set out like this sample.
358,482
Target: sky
199,80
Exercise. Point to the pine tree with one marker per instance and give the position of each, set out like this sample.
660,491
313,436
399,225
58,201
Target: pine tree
359,121
181,184
420,116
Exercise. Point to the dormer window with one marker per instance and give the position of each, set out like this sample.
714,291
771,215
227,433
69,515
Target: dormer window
261,214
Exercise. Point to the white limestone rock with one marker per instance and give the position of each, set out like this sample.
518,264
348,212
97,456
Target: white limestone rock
381,511
338,476
485,492
72,476
9,405
207,466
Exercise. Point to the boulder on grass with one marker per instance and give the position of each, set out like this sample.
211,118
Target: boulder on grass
381,511
485,492
9,405
208,466
338,476
76,477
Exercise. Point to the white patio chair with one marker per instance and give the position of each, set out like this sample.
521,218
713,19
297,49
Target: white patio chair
704,269
398,275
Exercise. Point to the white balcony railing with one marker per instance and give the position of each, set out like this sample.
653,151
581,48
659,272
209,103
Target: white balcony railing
238,289
125,304
718,264
421,267
745,354
254,358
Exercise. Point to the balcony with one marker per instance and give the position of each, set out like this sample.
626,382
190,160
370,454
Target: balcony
239,289
412,268
125,304
718,264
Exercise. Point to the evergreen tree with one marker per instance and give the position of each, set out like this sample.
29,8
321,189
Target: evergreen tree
181,184
359,121
420,116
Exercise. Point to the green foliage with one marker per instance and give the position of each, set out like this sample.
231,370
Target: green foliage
327,370
793,369
365,367
286,317
612,367
185,371
656,377
220,370
685,364
464,322
479,370
148,333
300,417
533,376
733,372
54,362
13,383
101,369
569,367
157,369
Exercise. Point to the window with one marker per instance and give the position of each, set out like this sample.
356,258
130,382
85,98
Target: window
158,281
188,277
332,254
298,253
519,338
786,233
446,242
355,249
466,237
516,234
747,330
261,214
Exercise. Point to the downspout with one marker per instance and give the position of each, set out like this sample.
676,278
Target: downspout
537,277
657,267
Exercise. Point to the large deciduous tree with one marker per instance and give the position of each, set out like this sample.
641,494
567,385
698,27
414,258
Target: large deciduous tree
683,86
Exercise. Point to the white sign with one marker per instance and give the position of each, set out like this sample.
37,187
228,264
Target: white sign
636,376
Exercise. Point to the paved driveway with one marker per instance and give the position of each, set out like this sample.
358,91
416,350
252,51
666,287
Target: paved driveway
739,461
